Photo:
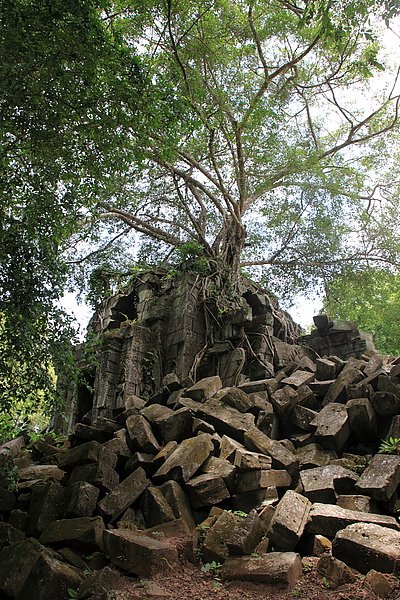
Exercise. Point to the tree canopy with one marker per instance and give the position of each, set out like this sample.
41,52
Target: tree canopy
242,132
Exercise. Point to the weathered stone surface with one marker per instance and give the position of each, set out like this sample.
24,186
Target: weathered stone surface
357,502
223,468
244,460
381,477
206,490
186,459
228,448
124,494
214,546
322,483
84,532
140,435
245,536
18,519
253,480
86,453
89,433
7,500
226,420
164,453
378,584
98,474
42,472
366,546
118,445
176,498
236,398
169,424
204,389
9,535
80,499
336,571
139,554
362,418
16,562
301,417
155,507
337,391
284,400
289,520
298,378
49,578
104,579
257,441
248,500
333,428
261,385
276,567
312,455
386,404
328,519
45,506
326,369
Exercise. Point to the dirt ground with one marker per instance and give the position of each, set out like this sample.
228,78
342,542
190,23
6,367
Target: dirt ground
190,583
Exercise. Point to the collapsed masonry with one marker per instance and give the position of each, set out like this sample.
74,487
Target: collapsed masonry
270,456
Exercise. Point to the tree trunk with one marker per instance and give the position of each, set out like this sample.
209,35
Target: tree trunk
230,245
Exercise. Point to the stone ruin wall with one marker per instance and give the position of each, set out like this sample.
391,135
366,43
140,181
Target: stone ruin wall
161,326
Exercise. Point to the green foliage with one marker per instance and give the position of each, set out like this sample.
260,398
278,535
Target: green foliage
372,299
390,446
211,567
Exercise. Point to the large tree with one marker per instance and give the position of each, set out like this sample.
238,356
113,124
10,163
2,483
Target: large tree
70,89
278,141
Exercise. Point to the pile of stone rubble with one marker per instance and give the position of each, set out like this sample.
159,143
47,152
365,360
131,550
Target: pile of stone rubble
250,477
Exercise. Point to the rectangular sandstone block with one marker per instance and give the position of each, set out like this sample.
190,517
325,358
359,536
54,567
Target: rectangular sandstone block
289,520
328,519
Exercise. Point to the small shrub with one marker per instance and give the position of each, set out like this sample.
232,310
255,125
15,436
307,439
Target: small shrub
390,446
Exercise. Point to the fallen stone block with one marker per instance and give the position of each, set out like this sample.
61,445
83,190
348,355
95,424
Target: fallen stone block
321,484
45,506
257,441
226,420
337,391
7,500
283,568
155,507
284,400
98,474
80,499
336,571
357,502
124,494
325,369
228,448
379,584
139,554
244,460
188,457
222,468
366,546
16,562
104,579
289,520
213,546
328,519
312,455
245,536
204,389
9,535
50,578
161,456
86,453
381,478
261,385
169,425
44,472
362,418
236,398
83,532
301,417
206,490
333,428
386,404
254,480
177,500
298,378
87,433
140,435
